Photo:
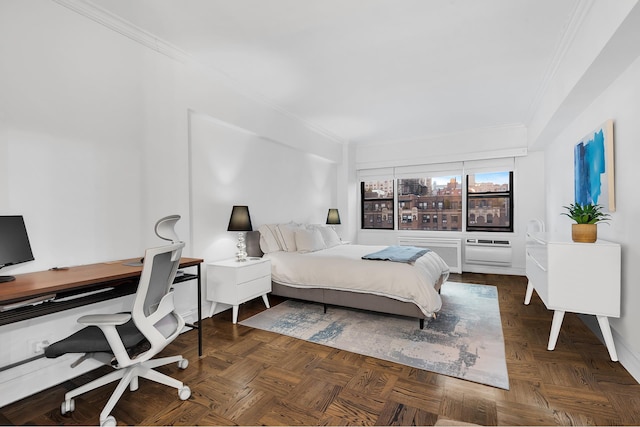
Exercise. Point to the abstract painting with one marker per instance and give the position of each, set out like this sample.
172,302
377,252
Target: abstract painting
593,168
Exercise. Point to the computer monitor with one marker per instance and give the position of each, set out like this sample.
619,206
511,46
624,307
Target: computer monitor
14,243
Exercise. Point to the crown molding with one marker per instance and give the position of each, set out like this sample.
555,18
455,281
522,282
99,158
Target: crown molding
124,27
147,39
577,17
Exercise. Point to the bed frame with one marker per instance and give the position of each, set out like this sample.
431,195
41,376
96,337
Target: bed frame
333,297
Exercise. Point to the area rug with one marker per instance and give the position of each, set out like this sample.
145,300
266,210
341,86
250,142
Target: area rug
464,341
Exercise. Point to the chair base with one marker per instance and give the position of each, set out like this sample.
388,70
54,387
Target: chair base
129,378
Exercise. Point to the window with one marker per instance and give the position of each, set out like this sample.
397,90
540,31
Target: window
377,204
430,198
490,201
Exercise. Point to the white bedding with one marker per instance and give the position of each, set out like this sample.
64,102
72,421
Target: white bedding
342,267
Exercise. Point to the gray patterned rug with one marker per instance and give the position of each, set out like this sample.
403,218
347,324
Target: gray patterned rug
464,341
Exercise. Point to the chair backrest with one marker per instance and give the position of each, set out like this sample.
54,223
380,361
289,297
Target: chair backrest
535,226
165,228
154,311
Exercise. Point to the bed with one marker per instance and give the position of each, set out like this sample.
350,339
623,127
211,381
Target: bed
309,262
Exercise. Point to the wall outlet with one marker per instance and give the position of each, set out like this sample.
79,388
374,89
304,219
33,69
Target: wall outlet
38,347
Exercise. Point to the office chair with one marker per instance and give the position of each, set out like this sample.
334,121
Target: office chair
128,341
535,226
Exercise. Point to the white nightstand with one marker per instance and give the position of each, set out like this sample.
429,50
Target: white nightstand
233,282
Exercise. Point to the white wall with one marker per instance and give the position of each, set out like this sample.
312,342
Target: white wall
620,102
230,166
598,45
471,144
94,148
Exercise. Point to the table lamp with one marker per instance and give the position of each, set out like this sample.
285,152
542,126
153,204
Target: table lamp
333,217
240,221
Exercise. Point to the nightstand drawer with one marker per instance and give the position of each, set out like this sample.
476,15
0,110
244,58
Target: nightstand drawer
253,288
252,271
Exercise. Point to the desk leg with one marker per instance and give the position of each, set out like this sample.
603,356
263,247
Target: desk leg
558,316
266,300
199,312
527,297
608,338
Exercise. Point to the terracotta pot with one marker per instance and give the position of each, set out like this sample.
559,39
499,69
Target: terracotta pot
584,233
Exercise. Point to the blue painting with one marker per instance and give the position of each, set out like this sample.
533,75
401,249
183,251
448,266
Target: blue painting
593,168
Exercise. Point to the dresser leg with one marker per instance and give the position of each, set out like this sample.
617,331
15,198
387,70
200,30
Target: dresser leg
558,316
235,314
266,301
608,338
529,294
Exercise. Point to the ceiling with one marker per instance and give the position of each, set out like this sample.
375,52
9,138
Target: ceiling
373,70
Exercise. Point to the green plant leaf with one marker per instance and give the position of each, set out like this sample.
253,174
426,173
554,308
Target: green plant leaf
586,214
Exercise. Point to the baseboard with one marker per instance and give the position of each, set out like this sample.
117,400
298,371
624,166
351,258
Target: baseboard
33,377
626,356
220,307
39,374
492,269
191,316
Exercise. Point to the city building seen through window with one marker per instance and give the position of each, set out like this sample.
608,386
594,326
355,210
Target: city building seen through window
430,203
435,203
377,204
490,201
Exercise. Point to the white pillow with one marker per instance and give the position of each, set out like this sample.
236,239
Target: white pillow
268,241
286,236
329,236
309,240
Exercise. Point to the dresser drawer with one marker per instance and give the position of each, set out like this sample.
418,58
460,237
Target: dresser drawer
537,274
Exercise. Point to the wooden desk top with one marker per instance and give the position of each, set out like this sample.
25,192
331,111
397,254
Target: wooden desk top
38,283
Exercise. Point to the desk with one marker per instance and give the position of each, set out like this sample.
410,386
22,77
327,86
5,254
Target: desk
84,278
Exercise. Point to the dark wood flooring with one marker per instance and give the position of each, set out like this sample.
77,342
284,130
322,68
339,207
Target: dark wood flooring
253,377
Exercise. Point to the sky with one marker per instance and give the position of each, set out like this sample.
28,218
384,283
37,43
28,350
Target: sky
493,177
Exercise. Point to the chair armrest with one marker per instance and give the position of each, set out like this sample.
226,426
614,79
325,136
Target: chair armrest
107,324
105,319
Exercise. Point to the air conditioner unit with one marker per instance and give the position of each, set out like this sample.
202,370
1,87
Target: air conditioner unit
488,252
450,250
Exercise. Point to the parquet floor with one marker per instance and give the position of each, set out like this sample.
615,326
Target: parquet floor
253,377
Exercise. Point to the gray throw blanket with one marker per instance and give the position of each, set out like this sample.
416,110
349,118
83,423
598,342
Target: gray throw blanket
407,254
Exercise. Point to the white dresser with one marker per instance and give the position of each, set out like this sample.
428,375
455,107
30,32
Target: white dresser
233,282
575,277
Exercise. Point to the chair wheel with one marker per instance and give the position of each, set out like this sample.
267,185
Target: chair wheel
68,406
184,393
182,364
110,421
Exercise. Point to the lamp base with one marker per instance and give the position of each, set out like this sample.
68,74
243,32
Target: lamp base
241,255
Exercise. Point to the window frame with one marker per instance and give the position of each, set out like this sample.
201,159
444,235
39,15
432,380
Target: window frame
389,201
457,222
486,195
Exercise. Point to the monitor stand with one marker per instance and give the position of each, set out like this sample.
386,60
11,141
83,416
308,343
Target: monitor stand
4,279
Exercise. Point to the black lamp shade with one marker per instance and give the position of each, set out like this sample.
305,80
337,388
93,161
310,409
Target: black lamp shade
333,217
240,219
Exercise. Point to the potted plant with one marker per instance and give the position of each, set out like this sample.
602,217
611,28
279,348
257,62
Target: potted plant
587,217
